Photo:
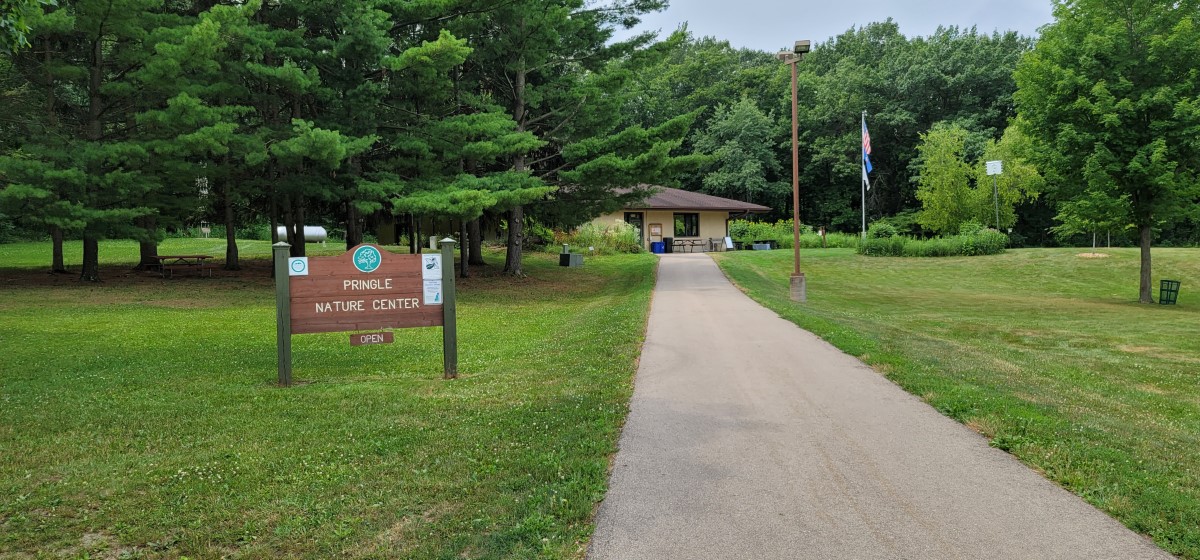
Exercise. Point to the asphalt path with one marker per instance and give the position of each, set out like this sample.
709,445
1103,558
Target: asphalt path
749,437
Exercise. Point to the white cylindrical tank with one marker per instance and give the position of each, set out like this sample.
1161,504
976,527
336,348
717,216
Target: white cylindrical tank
312,234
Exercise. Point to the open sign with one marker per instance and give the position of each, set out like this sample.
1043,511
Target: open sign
360,339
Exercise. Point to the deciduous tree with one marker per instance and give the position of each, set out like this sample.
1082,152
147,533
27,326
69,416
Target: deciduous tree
1111,96
944,185
742,141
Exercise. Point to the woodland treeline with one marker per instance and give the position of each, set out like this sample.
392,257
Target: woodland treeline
122,118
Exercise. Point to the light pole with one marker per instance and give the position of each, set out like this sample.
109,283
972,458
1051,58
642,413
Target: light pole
798,287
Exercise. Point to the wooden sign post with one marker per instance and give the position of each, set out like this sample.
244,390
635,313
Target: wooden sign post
363,289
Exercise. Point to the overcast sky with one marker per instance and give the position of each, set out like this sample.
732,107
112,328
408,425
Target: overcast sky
771,25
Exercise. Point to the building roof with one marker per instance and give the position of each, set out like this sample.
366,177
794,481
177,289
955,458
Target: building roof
664,198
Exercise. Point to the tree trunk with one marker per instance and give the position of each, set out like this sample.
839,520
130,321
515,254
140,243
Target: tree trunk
289,235
516,218
512,261
301,219
475,240
417,244
56,264
412,234
231,248
464,267
294,222
147,250
1144,294
56,233
91,259
90,271
354,235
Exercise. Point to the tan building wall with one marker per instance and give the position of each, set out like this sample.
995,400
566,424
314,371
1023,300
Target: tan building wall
712,224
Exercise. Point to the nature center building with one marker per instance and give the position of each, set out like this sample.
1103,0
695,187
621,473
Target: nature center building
692,221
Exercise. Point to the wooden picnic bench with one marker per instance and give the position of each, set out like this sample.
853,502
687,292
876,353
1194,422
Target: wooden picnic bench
168,264
691,244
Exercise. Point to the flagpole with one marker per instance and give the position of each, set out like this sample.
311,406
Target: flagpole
863,163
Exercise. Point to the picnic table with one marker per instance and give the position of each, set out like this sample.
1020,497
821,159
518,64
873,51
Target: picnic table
168,264
691,243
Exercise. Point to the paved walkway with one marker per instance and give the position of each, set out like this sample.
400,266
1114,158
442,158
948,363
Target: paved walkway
751,438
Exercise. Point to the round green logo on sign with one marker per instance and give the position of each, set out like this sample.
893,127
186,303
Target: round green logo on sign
367,259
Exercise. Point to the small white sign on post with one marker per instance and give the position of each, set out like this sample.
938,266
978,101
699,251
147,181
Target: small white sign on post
431,267
433,292
298,266
995,167
431,274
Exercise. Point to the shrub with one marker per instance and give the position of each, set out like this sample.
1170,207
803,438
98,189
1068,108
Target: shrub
832,241
970,227
780,232
882,230
535,236
260,230
982,242
607,240
905,222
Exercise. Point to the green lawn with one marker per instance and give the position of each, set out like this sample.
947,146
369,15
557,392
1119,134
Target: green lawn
37,255
1042,350
139,417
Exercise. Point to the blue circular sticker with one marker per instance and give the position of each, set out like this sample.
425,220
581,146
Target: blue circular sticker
298,265
367,258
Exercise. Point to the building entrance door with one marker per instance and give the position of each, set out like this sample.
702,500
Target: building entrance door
636,219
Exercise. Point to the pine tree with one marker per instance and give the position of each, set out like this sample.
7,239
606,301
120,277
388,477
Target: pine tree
89,165
550,63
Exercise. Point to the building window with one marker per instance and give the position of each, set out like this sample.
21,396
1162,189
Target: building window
687,225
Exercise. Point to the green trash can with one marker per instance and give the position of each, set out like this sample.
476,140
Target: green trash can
1168,292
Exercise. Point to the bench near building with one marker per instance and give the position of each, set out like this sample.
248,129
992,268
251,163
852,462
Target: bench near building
686,221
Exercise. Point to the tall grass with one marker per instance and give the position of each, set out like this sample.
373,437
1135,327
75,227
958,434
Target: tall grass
603,240
782,234
983,242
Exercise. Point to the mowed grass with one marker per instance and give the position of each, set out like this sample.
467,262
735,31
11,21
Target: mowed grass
1042,350
38,255
139,418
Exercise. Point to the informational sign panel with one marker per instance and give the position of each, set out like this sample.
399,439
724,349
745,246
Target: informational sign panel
995,167
431,271
364,289
298,266
362,339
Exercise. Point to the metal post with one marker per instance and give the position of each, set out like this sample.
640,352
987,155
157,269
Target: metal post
996,197
862,162
283,313
795,172
798,288
449,321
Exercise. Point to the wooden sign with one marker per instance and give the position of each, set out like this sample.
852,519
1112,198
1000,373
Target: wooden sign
361,339
364,289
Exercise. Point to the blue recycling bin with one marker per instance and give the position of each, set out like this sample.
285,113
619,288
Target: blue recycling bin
658,247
